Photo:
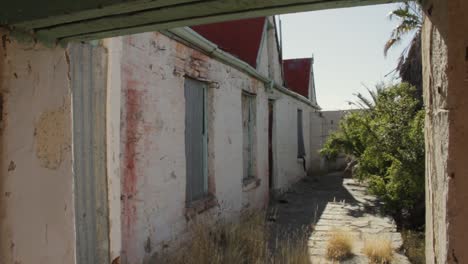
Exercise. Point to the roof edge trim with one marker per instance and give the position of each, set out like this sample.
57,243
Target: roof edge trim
189,35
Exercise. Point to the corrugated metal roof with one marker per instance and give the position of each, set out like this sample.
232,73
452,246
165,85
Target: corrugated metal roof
241,38
297,75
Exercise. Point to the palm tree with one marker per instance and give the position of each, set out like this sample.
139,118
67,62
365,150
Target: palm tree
409,66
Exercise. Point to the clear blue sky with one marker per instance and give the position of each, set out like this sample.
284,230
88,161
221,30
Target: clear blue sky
348,48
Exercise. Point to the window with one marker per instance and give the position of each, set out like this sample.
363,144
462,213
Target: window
196,140
300,135
248,129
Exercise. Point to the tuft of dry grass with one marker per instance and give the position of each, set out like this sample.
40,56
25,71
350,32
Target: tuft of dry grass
244,242
340,245
379,251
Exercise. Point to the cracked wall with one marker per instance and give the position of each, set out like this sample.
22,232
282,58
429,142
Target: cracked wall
154,214
445,79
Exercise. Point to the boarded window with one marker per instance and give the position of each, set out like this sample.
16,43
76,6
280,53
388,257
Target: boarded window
300,135
248,129
196,140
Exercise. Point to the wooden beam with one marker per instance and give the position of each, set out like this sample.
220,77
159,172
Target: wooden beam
34,14
180,13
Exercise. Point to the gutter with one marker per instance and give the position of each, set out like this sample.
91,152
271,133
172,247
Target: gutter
190,36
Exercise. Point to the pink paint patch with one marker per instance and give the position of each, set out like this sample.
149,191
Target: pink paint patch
132,128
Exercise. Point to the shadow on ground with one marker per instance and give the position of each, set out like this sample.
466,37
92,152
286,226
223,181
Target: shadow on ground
314,207
297,210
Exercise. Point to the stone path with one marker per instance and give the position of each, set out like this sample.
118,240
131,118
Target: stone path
319,207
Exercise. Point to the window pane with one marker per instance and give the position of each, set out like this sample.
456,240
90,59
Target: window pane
195,139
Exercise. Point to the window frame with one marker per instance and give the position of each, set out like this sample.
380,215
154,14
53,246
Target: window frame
206,192
251,99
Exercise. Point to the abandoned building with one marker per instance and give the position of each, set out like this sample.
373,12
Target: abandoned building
192,121
93,140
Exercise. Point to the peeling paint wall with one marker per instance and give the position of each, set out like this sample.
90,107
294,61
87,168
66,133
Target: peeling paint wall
152,136
36,198
153,174
153,120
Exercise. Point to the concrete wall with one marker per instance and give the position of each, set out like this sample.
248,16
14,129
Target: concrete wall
331,123
445,81
36,180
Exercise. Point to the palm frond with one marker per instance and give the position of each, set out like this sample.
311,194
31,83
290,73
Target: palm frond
411,18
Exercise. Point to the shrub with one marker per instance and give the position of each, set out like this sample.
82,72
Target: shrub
387,141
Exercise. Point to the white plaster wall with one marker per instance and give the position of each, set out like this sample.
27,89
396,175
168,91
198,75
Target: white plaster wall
153,157
289,169
275,64
153,69
36,182
153,135
263,53
312,91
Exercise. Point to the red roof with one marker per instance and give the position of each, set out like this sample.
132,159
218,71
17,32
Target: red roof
297,75
240,38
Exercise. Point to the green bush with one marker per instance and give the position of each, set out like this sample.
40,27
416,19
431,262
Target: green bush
387,140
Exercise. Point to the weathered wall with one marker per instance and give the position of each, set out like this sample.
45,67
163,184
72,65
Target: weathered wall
275,71
263,59
288,169
153,133
36,198
331,121
153,161
445,81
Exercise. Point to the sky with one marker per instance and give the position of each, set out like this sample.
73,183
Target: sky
347,45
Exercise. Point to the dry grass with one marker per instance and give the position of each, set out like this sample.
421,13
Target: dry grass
340,245
245,242
379,251
292,250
